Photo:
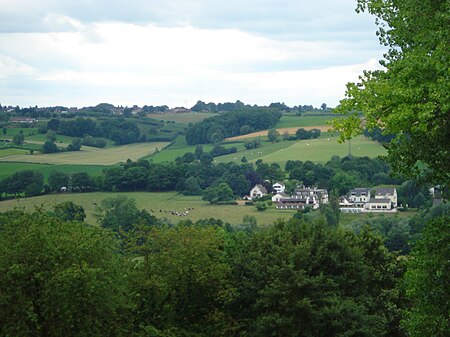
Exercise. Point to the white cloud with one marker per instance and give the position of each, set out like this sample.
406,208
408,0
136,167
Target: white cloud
88,52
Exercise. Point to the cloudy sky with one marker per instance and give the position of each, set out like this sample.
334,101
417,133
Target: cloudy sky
175,52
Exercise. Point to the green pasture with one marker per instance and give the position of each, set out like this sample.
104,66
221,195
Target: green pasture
265,149
320,150
4,152
11,132
91,155
289,121
184,118
8,169
32,135
179,147
166,201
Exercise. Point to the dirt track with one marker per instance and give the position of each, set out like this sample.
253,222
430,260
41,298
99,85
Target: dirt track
291,131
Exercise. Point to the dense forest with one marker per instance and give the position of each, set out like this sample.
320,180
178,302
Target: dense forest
229,124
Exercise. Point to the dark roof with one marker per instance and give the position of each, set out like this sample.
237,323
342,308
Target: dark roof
379,201
385,191
261,188
358,191
292,200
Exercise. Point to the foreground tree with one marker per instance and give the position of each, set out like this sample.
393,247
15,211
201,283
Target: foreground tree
427,282
410,98
59,279
298,279
182,282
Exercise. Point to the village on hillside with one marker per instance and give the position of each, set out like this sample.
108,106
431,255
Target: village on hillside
358,200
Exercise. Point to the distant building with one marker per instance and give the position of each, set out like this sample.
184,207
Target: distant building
301,198
278,187
277,197
360,200
320,194
258,191
387,193
23,120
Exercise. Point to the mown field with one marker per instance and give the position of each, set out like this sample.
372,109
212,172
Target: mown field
165,201
318,150
7,169
321,150
4,152
184,118
91,155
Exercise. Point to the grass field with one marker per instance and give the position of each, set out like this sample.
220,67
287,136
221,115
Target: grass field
164,201
91,155
34,137
167,201
321,150
254,154
184,118
8,169
179,148
290,121
12,151
318,150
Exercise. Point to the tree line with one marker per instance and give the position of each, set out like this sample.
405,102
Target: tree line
120,130
194,173
233,123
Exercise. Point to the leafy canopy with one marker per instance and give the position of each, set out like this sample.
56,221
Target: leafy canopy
410,97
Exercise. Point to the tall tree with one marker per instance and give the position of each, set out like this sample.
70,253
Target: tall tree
69,211
57,179
410,97
273,135
427,282
59,279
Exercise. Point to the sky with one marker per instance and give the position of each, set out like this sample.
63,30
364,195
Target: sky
175,52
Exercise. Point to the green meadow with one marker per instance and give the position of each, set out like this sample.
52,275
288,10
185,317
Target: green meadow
290,121
91,155
166,201
318,150
7,169
183,118
321,150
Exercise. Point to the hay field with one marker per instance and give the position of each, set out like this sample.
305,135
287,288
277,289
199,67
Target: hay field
291,131
5,152
91,155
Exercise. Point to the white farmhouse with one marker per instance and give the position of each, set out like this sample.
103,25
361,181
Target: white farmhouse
387,193
258,191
